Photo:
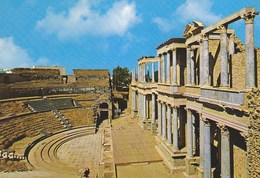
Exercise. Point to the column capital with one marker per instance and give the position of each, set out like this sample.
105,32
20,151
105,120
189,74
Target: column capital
223,128
205,120
248,17
222,28
204,37
173,49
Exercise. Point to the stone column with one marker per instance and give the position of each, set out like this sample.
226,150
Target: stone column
250,50
189,134
192,67
153,108
159,118
188,62
206,60
201,142
159,69
225,151
144,107
163,68
207,150
175,128
153,72
134,100
144,73
174,67
163,120
193,132
168,68
201,63
224,56
169,125
138,73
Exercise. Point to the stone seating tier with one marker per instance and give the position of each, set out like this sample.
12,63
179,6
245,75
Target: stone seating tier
12,108
16,129
47,104
79,116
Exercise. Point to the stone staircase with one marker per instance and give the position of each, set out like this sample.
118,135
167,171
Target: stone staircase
64,121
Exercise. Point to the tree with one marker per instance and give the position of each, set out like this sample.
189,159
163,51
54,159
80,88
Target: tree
121,77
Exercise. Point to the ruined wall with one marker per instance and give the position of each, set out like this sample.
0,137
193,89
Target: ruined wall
254,134
258,66
37,74
98,73
214,62
239,162
238,70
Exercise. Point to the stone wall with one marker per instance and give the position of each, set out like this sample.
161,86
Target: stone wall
214,62
254,134
37,74
258,66
90,73
238,72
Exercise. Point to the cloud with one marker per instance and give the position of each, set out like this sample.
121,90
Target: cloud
164,24
12,55
197,10
187,12
82,19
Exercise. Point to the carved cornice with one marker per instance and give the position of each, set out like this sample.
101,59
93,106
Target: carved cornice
245,135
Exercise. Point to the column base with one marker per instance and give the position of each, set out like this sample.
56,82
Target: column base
201,172
134,114
191,165
145,124
154,128
173,159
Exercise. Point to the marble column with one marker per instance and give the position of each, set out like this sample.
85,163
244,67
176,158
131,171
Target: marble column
206,60
201,142
188,62
250,51
207,150
138,73
189,134
139,105
163,68
163,120
144,73
169,124
175,128
159,69
193,132
201,63
153,72
168,68
134,100
174,66
159,118
153,107
223,56
225,151
144,107
192,67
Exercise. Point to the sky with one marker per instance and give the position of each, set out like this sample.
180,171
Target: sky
102,34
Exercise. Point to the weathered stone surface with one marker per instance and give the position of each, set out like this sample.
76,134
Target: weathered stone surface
254,134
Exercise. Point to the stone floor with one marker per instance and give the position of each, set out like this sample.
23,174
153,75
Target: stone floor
134,151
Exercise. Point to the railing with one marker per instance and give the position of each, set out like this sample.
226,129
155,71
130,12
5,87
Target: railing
223,96
193,91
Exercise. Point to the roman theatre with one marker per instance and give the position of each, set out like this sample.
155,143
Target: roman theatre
191,111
